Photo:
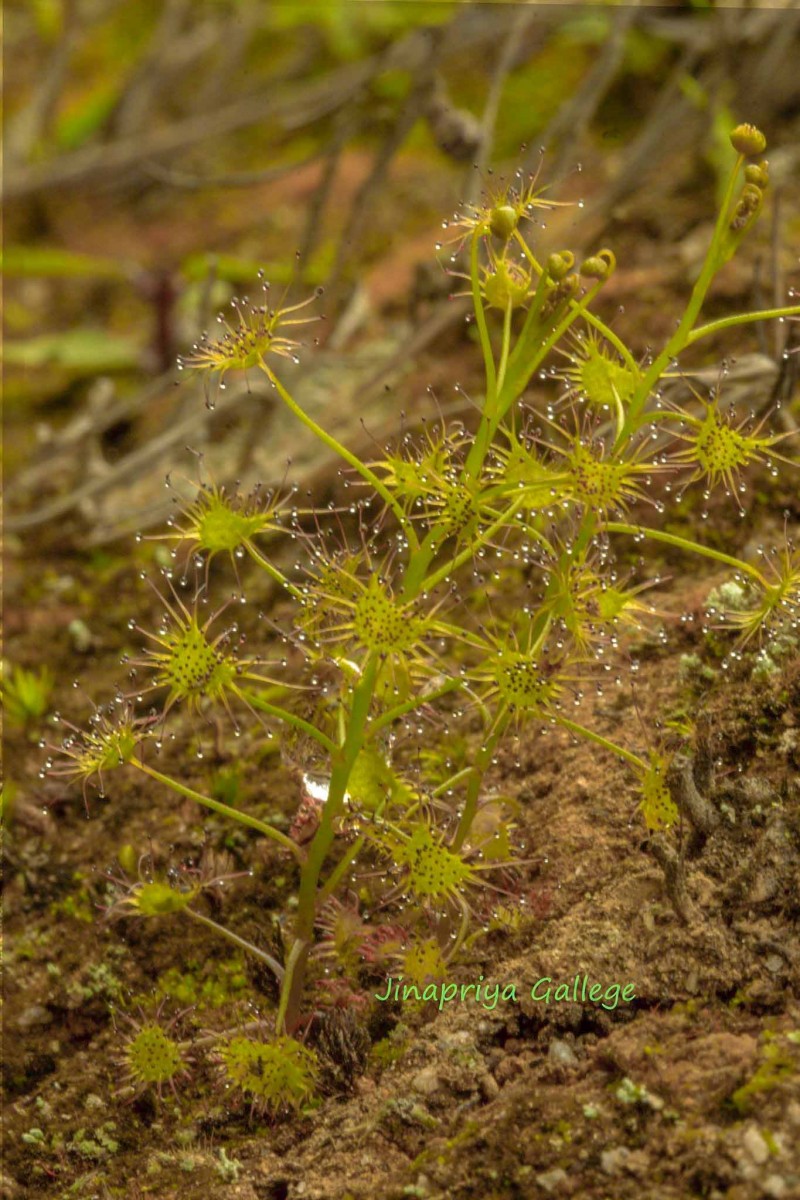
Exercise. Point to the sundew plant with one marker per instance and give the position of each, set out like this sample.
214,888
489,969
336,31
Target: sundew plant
399,854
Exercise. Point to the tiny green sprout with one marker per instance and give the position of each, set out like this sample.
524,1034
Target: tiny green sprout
275,1076
227,1168
25,694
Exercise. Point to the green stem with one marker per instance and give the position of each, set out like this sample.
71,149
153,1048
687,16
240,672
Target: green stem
482,763
468,553
589,317
501,370
463,930
394,714
283,714
599,740
273,572
343,759
241,942
519,379
351,459
680,337
672,539
480,320
217,806
765,314
292,981
450,783
334,879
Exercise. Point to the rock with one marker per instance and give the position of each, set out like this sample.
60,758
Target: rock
462,1039
755,1145
426,1081
510,1068
706,1076
489,1087
562,1053
774,1187
33,1017
613,1160
552,1181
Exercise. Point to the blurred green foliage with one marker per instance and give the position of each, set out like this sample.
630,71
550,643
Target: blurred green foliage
25,694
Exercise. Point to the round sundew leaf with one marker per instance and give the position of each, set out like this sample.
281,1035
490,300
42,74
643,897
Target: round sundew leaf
278,1074
153,1056
381,624
434,871
657,806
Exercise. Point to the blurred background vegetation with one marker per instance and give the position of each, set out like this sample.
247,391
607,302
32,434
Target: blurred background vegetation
160,152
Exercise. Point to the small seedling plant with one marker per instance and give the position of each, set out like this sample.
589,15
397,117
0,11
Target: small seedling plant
398,640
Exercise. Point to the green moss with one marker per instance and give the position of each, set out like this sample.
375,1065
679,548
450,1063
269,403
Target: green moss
776,1068
99,982
213,984
97,1145
391,1048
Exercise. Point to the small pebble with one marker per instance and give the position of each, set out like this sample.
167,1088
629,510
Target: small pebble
755,1145
613,1160
562,1052
35,1015
552,1181
426,1081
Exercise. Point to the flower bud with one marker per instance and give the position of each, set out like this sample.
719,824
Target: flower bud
559,264
503,221
757,173
752,195
599,266
748,207
563,291
507,284
748,140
